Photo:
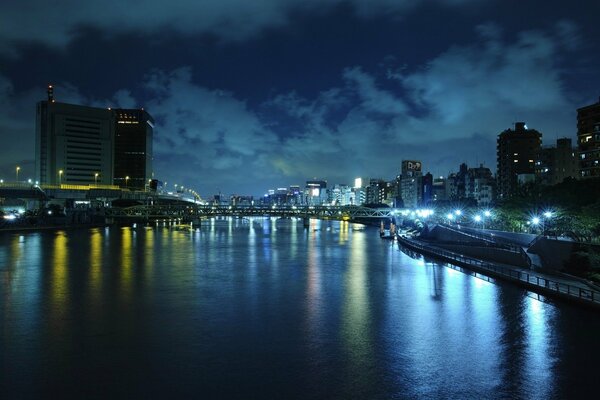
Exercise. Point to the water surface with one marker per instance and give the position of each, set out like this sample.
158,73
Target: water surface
265,308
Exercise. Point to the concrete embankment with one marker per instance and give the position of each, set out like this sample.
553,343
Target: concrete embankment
547,285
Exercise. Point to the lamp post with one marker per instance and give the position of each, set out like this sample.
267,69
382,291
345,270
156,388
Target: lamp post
60,173
96,178
127,181
17,173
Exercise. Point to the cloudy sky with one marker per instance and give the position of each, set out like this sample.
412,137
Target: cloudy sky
253,95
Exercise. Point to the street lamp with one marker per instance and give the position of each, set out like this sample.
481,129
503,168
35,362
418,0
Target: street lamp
127,181
547,215
96,178
60,172
18,169
535,221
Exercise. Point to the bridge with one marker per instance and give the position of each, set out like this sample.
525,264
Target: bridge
199,212
29,192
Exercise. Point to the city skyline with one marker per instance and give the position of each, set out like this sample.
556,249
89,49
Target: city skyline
249,97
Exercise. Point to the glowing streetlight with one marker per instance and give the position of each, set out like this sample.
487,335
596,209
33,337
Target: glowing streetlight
17,173
127,181
477,218
96,178
487,213
60,173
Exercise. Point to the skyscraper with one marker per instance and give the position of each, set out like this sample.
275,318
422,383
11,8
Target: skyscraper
133,148
516,152
73,143
588,140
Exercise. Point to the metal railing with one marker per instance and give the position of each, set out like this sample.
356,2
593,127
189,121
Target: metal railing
530,278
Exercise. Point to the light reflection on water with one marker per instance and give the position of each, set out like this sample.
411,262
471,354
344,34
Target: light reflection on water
271,308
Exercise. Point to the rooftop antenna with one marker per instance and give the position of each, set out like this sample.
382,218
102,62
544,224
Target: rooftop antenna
50,94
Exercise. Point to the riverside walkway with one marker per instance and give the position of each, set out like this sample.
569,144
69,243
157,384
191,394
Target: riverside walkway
548,285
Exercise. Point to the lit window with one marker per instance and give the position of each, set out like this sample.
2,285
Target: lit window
516,160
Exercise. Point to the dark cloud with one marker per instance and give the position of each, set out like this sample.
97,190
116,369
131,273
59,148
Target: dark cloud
444,112
57,23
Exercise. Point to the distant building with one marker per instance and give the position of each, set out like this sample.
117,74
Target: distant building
342,195
427,189
411,183
516,153
471,185
588,140
316,192
133,148
73,144
439,189
479,185
555,163
376,191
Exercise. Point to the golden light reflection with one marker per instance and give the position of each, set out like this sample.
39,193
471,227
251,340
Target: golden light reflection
59,290
126,262
344,229
95,271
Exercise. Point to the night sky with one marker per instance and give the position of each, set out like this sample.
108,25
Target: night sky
253,95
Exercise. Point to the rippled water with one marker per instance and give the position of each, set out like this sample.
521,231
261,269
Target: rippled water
267,309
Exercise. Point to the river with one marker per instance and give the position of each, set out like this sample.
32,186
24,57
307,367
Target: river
267,309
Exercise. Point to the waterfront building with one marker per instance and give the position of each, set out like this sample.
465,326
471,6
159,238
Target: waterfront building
556,163
588,140
516,153
73,143
133,148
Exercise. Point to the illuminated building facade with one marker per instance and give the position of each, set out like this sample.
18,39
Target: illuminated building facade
73,144
516,151
133,148
588,140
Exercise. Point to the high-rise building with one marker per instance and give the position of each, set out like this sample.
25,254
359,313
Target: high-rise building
516,152
74,144
555,163
133,148
588,140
